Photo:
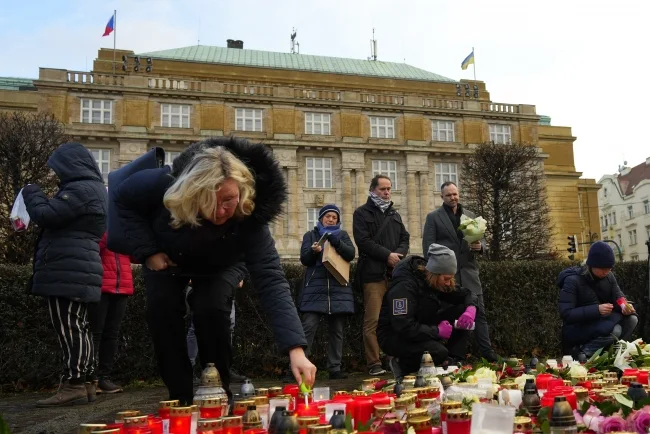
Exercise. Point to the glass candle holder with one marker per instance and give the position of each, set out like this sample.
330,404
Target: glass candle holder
195,418
87,428
155,424
180,420
164,407
120,415
210,408
274,391
304,422
136,422
210,426
232,425
321,394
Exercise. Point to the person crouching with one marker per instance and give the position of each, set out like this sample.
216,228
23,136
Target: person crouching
419,309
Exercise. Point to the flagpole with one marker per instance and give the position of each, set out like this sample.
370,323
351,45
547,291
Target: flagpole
115,36
474,64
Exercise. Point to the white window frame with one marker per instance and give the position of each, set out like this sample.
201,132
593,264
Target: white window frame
322,124
634,257
102,157
630,211
386,167
105,108
170,156
443,176
614,217
443,131
312,218
620,240
646,206
325,169
647,233
501,133
382,127
633,238
167,115
254,116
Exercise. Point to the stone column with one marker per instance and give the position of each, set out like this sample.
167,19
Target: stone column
362,187
348,209
425,197
293,202
412,206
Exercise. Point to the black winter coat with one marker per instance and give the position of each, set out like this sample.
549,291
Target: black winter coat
66,261
410,306
322,293
580,296
210,249
373,256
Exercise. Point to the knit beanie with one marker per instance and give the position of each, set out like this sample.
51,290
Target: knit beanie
442,260
329,208
600,255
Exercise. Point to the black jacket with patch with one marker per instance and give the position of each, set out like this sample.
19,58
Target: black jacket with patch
210,249
66,261
410,306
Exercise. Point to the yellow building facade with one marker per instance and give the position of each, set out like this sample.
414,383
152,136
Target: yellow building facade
333,124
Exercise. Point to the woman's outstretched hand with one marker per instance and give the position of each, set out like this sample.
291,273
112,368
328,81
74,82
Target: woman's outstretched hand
303,370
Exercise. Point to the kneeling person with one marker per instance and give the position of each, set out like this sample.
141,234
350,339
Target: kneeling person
419,309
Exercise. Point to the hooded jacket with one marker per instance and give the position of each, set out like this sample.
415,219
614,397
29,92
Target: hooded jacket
212,249
410,306
580,296
66,260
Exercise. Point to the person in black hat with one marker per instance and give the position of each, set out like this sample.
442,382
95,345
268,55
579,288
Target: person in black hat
593,308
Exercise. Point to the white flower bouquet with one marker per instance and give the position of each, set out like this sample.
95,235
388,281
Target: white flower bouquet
472,228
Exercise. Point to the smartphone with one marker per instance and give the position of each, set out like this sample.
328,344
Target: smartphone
322,240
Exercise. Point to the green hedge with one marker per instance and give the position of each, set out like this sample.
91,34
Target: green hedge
520,298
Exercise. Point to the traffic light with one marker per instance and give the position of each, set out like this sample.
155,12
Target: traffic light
572,245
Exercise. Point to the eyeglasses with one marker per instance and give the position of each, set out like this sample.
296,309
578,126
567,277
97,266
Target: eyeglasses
229,204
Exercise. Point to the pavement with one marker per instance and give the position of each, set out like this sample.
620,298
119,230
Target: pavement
20,412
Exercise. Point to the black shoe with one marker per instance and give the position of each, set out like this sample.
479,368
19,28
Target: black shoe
338,375
105,385
376,370
491,357
397,371
236,378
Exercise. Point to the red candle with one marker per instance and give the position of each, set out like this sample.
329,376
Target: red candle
363,409
555,383
255,431
210,408
291,389
210,426
542,381
180,420
380,398
458,421
642,376
155,424
232,425
305,410
348,401
138,430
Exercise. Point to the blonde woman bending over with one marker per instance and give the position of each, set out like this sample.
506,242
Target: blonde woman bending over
207,220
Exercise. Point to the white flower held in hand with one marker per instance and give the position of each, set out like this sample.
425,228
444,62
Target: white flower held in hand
472,228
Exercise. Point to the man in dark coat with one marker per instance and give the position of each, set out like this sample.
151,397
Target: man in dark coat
210,255
593,308
382,241
441,227
322,294
67,267
420,309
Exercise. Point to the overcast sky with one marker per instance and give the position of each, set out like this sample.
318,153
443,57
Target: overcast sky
582,62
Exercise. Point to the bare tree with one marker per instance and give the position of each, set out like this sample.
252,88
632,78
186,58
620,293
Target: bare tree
26,142
505,184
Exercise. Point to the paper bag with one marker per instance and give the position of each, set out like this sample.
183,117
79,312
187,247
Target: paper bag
335,264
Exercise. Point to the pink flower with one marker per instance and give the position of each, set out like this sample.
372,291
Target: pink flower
639,421
612,424
592,418
578,416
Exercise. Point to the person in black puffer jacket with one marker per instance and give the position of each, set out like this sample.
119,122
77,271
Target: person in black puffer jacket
322,294
593,308
202,221
67,267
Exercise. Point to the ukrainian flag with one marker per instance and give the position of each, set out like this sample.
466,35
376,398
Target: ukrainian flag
469,60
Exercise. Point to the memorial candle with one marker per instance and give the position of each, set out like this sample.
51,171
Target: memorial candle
180,420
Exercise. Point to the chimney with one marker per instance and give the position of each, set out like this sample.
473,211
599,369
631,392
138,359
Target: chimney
235,44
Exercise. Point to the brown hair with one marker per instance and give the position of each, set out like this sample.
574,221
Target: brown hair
432,280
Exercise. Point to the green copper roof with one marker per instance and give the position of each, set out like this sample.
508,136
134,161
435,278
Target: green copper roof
544,120
13,83
299,62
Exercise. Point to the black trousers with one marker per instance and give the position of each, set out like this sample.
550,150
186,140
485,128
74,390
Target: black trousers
409,353
70,324
105,319
210,302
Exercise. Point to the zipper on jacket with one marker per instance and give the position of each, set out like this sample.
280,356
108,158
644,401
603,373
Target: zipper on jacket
329,300
117,281
309,280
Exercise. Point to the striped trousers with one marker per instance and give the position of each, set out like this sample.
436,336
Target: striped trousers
72,328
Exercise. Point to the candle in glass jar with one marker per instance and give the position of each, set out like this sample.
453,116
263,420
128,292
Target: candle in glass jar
130,423
195,418
180,420
87,428
155,424
210,426
232,425
164,408
444,409
115,426
305,410
274,391
304,422
363,409
120,415
458,421
210,408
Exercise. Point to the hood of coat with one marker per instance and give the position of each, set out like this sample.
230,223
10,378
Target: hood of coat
270,186
72,162
568,272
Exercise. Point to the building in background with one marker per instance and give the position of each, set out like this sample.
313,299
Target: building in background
333,123
624,202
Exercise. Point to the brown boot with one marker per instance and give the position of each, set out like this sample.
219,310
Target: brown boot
68,394
91,390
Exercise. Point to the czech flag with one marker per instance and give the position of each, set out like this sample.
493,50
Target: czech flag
110,26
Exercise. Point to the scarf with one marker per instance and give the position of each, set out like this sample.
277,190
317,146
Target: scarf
381,203
322,230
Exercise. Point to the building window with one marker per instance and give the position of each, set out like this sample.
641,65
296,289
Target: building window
386,167
500,133
382,128
319,173
249,120
630,211
312,218
103,159
634,257
647,233
175,115
170,157
632,235
96,111
443,131
607,217
446,172
614,218
317,123
646,207
605,191
620,240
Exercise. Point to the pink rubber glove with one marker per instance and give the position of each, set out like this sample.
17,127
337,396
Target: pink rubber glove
444,330
466,320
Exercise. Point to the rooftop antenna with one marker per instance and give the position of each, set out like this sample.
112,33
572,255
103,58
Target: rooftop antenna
198,33
373,47
295,45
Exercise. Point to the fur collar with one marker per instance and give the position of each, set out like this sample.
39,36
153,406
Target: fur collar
270,186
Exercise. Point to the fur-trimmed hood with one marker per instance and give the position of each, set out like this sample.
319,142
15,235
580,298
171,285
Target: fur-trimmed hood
270,187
